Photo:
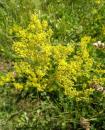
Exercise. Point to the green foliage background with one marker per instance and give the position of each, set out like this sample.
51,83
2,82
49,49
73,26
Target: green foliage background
70,20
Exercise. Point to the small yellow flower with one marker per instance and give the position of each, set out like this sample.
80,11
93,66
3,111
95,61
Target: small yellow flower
18,86
98,1
85,39
44,24
103,30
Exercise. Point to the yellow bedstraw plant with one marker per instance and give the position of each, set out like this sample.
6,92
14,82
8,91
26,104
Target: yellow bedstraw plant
47,66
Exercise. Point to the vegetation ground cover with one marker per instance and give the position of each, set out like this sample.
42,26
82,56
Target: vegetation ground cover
52,65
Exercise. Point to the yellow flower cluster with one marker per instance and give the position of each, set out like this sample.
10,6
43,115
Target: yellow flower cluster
43,65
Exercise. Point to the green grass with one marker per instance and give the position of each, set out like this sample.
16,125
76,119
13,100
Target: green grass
31,110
